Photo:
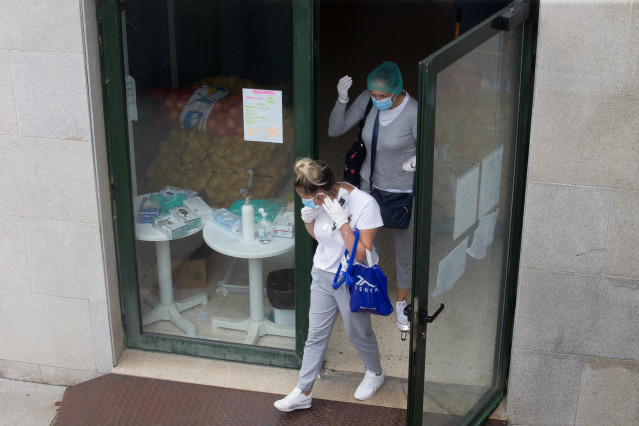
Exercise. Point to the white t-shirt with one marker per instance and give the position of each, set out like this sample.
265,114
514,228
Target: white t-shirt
363,213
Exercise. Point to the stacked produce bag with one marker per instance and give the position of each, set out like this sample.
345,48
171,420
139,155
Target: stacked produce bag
212,105
208,153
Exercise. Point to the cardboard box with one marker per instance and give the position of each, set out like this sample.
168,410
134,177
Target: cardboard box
189,217
284,225
171,226
189,274
148,211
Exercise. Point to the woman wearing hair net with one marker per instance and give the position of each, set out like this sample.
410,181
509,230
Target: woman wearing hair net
395,154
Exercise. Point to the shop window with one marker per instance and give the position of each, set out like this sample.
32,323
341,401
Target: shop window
210,119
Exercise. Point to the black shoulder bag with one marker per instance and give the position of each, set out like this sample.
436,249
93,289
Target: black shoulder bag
356,154
395,206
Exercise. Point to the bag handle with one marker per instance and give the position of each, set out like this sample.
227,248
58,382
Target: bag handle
373,151
362,122
346,276
369,258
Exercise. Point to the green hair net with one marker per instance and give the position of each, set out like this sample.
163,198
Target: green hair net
386,78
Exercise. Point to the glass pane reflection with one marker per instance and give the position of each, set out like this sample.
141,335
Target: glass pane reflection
475,133
179,57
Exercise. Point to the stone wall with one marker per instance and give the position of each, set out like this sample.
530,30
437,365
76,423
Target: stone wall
60,314
575,356
575,353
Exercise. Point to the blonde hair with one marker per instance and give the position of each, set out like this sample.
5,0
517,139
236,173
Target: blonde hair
311,175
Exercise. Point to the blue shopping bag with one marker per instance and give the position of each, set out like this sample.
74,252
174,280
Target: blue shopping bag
367,284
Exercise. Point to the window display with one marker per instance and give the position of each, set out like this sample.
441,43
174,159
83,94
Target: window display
214,128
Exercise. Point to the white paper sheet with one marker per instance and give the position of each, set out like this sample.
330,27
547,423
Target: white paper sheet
263,115
466,201
484,236
490,181
451,268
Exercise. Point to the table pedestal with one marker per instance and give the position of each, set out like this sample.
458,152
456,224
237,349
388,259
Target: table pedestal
165,308
225,287
256,325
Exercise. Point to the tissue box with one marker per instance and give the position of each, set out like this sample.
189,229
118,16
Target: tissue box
188,216
284,225
172,190
148,211
199,207
171,226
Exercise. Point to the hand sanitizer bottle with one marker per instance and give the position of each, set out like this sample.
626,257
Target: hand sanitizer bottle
248,220
264,228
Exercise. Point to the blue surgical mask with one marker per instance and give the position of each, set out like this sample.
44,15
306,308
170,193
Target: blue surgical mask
383,104
308,202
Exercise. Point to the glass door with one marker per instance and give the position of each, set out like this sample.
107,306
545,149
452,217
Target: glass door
472,132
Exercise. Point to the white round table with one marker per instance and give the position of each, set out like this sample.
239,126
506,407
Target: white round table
165,308
225,242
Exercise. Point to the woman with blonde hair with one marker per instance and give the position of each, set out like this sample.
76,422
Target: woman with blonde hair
332,210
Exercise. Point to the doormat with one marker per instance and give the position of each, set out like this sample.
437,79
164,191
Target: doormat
129,400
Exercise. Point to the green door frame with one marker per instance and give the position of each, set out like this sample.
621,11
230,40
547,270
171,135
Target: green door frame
423,207
305,64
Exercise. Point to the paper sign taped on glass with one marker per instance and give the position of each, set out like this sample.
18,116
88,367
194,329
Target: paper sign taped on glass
451,268
263,115
484,236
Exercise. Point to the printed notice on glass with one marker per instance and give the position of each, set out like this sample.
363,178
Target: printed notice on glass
484,236
490,181
466,201
263,115
451,268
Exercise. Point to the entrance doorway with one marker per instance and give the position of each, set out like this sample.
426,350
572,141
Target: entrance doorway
355,37
473,123
473,130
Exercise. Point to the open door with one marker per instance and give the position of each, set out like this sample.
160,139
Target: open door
474,120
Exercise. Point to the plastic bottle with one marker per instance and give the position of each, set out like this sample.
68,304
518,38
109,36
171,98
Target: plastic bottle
248,220
264,228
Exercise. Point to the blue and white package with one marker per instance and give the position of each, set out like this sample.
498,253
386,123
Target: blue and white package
227,220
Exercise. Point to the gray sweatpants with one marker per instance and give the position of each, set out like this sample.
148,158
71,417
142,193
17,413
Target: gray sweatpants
403,239
325,304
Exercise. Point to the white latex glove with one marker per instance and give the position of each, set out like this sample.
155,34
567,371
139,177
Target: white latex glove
411,164
335,212
343,85
308,214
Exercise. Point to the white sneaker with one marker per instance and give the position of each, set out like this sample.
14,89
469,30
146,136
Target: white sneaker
295,400
403,323
369,385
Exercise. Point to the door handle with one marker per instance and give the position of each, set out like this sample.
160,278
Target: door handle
421,317
424,317
430,319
